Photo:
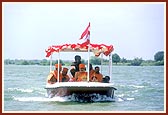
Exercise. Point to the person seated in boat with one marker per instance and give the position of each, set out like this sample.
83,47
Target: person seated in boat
65,77
82,74
97,76
77,62
52,77
106,79
72,74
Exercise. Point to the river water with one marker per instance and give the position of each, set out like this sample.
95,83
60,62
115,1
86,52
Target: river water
139,89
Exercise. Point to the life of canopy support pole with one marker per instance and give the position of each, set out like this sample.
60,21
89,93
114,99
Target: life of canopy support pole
101,62
58,67
88,63
110,67
51,62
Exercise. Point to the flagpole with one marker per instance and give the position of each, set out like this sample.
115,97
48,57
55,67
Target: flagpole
88,56
87,34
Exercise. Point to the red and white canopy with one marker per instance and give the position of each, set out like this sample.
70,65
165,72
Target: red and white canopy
97,49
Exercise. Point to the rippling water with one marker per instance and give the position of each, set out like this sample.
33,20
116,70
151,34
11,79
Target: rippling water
138,89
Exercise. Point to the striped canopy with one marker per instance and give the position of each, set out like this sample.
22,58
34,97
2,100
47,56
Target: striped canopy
97,49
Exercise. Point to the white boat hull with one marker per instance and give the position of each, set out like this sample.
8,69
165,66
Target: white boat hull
69,88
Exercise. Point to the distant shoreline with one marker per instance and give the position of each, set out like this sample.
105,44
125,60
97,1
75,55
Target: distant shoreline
45,62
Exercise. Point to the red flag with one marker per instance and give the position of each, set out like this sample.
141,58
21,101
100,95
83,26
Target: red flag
86,33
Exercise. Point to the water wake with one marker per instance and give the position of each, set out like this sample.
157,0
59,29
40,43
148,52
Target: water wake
40,99
21,90
73,98
84,98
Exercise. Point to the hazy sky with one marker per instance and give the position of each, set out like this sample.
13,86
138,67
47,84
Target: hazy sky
134,29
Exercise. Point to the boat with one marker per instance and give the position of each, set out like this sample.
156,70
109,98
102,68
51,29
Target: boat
83,89
86,88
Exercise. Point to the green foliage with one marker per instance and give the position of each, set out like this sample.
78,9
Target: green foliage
116,58
148,63
8,61
67,62
95,60
158,63
159,56
83,61
136,62
44,62
159,60
24,62
123,60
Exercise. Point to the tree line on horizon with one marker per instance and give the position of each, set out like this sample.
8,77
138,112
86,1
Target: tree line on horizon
158,60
